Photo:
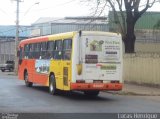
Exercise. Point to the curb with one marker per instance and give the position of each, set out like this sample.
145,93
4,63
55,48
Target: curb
130,93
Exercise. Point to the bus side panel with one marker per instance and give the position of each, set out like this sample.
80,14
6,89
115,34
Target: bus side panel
67,74
30,69
28,65
41,79
41,71
21,68
75,57
56,68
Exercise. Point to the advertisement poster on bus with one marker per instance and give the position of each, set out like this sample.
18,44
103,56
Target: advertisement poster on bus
42,66
102,57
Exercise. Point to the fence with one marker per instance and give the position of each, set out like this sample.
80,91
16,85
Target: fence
142,68
147,35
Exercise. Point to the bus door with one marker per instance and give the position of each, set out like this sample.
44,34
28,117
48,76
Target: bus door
66,57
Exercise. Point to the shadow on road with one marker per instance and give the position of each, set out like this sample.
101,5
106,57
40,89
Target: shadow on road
74,95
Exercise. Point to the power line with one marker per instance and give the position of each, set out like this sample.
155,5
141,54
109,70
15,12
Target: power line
62,4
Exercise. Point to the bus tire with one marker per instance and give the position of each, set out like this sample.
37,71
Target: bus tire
52,85
27,83
91,93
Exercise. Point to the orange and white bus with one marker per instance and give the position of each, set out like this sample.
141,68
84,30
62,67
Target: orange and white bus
88,61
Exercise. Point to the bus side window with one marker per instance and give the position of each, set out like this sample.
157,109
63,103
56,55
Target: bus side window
36,50
26,51
58,49
67,49
33,50
50,48
30,51
43,50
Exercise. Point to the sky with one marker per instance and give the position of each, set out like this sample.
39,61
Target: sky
32,10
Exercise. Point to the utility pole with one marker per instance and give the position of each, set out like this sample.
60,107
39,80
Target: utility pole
17,36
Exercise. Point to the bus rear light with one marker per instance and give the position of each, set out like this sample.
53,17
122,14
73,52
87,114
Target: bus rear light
80,81
89,86
114,81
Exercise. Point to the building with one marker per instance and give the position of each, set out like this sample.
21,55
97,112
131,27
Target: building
46,26
7,41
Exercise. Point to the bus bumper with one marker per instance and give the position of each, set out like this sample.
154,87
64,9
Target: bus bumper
97,86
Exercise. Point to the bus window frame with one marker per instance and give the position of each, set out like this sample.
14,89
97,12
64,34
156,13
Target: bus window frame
50,49
57,55
36,51
67,50
43,50
31,51
26,51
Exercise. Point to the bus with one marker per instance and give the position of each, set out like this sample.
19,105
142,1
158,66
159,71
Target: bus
87,61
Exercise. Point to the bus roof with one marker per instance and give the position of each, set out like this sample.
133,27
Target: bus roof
64,36
100,33
47,38
33,40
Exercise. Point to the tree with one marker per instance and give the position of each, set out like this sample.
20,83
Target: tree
126,13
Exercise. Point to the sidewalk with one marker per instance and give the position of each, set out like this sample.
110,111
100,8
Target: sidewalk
133,89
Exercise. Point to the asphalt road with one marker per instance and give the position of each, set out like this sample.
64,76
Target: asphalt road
15,97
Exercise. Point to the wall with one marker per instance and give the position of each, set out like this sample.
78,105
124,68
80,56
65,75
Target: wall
142,68
147,47
7,50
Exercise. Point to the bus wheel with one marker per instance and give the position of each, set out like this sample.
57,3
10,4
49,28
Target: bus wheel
52,85
28,84
91,93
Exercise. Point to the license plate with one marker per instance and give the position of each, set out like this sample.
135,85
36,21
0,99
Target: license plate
98,85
